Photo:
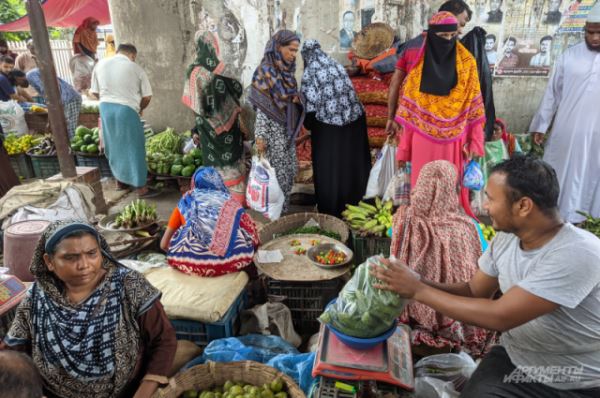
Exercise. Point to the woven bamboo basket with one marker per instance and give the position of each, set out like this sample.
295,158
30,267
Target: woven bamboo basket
213,374
296,220
37,122
89,120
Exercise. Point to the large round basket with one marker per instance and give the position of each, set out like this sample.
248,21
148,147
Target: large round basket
326,222
37,122
215,374
373,40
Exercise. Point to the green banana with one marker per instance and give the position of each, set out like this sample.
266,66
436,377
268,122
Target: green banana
372,209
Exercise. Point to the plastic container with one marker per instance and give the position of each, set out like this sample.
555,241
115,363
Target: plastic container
99,161
363,344
367,246
306,300
203,333
20,240
44,166
22,166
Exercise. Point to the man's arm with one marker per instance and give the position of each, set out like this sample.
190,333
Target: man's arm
393,95
513,309
144,103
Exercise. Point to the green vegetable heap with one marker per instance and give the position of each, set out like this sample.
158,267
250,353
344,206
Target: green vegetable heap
240,390
163,154
86,140
313,231
137,213
361,310
590,224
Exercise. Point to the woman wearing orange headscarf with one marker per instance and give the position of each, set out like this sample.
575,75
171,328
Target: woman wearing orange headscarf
441,108
85,40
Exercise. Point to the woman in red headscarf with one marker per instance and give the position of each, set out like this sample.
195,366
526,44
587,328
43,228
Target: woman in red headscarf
441,109
85,39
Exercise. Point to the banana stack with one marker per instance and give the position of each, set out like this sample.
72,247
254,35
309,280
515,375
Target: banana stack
488,231
369,219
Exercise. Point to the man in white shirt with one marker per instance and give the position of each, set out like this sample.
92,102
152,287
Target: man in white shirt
124,92
548,272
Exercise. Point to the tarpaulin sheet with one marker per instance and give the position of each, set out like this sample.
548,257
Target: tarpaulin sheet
64,14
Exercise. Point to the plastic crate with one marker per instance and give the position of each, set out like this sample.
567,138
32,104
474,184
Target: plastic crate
44,166
202,333
22,166
99,161
367,246
306,300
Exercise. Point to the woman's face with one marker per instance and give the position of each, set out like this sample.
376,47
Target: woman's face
447,35
77,262
497,132
290,51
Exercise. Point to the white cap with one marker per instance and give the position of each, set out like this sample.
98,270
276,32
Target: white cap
594,15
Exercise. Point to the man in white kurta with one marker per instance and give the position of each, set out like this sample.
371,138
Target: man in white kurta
573,148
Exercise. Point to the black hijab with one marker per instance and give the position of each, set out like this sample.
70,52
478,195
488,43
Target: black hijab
439,65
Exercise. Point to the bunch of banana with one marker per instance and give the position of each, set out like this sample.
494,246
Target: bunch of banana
369,219
488,231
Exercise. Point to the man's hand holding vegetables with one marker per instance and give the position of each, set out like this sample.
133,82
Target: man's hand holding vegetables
548,274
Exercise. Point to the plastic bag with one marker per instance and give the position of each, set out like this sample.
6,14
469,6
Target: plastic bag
398,190
12,118
362,310
270,350
298,367
81,68
382,172
473,178
263,193
444,375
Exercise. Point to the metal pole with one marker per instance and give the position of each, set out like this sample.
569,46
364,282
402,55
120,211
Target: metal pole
39,32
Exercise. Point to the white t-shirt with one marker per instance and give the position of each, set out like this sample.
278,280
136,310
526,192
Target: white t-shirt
566,271
119,80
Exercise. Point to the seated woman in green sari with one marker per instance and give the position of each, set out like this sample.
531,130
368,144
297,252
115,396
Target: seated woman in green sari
92,327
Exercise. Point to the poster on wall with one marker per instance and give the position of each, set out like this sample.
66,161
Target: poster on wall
526,38
576,15
354,16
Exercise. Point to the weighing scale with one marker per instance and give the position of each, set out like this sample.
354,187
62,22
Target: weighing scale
388,362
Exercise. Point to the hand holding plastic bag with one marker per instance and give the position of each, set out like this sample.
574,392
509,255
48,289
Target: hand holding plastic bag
361,310
473,178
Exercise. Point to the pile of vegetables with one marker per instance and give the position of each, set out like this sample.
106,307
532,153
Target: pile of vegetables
89,109
591,223
86,140
331,257
231,389
314,231
137,213
163,155
45,147
488,231
16,145
361,310
368,219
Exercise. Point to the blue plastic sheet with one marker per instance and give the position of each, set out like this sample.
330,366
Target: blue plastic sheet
270,350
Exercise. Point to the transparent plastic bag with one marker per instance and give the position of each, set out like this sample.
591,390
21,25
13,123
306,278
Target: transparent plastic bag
473,178
444,373
361,310
398,190
382,172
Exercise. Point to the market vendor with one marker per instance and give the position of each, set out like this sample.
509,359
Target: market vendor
549,275
209,233
92,326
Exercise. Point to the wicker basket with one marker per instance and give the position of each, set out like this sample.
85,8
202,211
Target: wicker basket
287,223
89,120
37,122
214,374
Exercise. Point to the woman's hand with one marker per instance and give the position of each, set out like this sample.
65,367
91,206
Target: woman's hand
392,128
261,146
146,389
397,278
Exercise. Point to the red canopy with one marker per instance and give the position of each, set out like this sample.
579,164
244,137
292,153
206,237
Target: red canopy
64,14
